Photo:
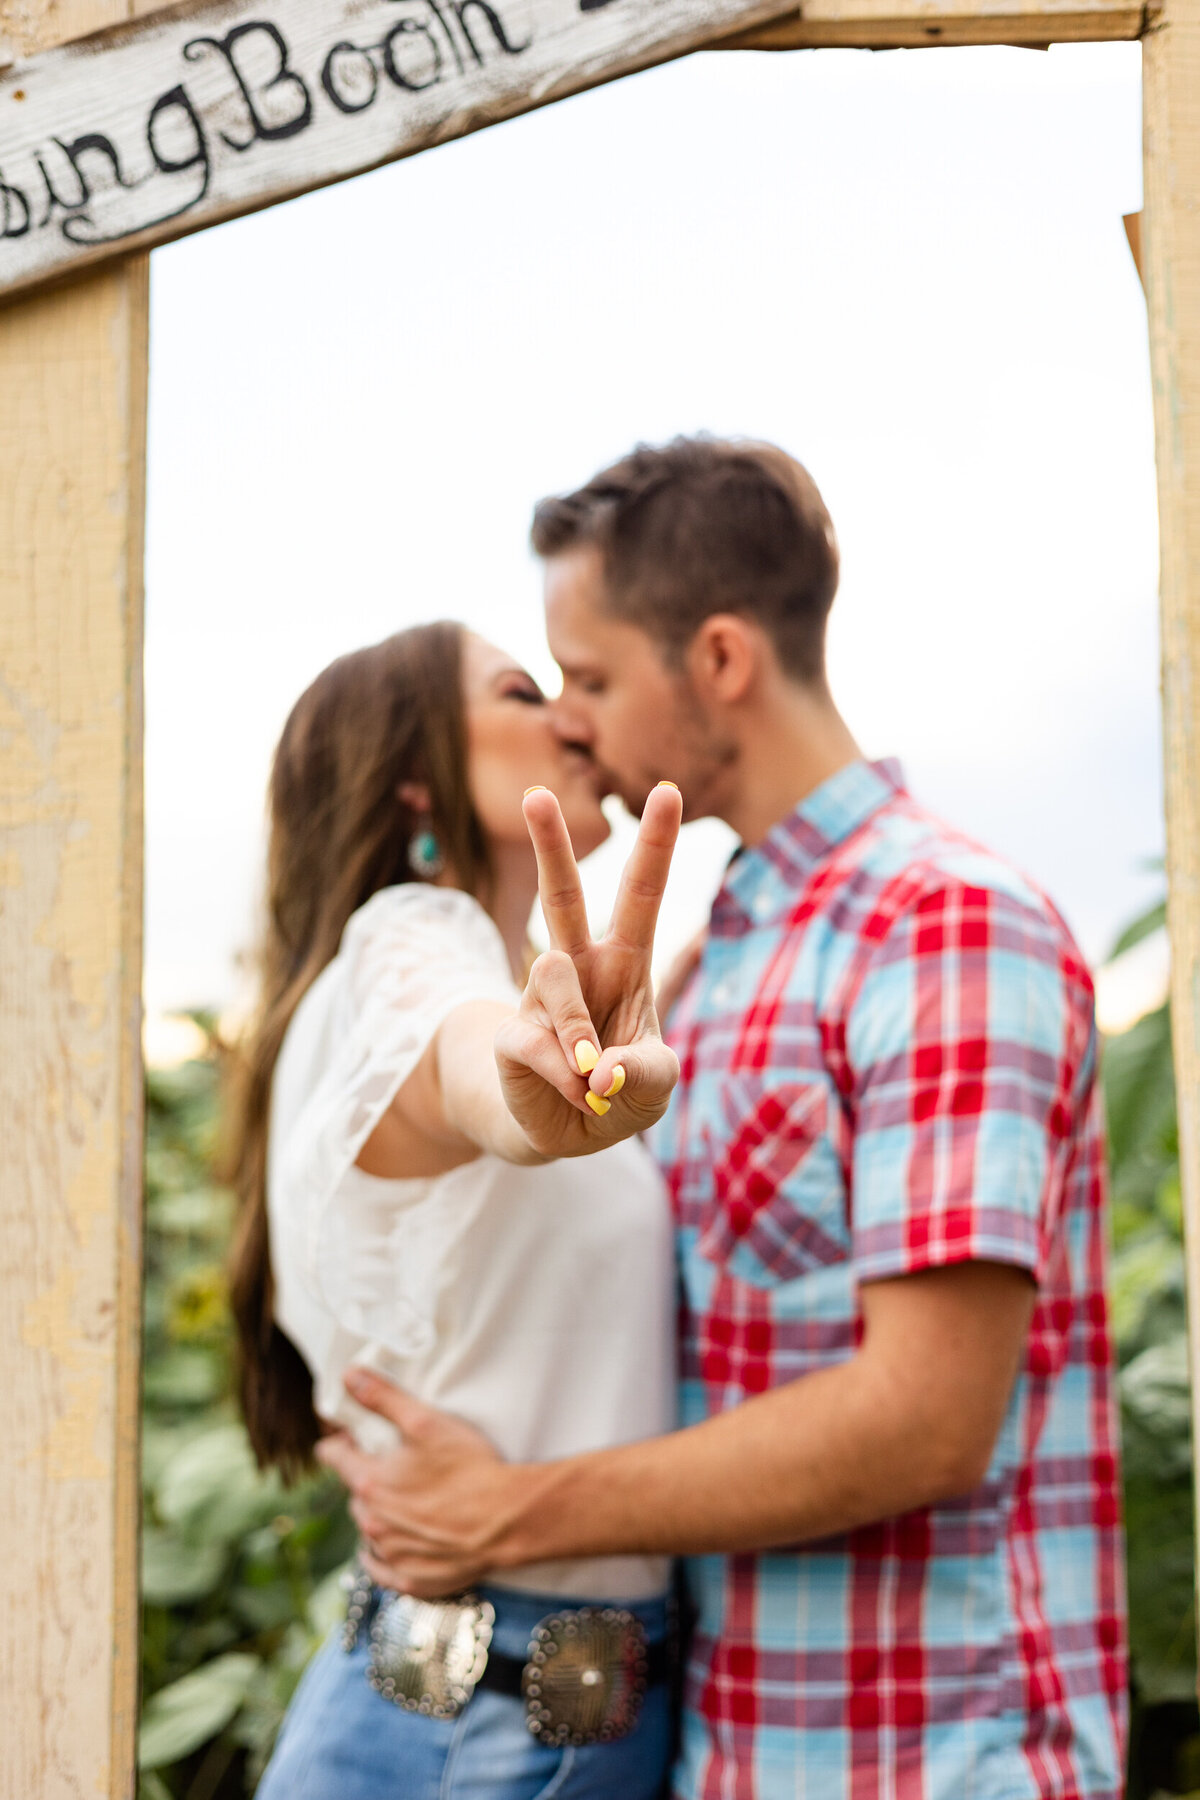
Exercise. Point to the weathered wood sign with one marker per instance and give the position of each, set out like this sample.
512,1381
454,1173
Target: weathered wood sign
202,111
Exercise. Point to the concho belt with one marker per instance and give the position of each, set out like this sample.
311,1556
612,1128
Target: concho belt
583,1682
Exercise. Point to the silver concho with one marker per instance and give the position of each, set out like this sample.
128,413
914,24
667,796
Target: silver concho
586,1676
358,1588
426,1656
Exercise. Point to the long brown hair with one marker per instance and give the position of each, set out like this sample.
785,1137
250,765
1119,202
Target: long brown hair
338,831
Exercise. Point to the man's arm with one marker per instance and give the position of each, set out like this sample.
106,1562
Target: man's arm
910,1420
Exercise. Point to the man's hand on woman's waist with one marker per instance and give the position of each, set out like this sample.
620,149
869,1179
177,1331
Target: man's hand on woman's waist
910,1420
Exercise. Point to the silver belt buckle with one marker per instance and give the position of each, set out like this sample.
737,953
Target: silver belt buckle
585,1679
427,1655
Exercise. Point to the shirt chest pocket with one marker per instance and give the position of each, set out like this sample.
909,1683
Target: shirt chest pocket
776,1209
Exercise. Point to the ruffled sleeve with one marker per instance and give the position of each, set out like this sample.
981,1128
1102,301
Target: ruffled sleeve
407,959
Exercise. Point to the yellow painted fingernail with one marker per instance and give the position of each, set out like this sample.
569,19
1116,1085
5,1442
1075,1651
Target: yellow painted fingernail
618,1082
598,1106
587,1056
537,788
670,784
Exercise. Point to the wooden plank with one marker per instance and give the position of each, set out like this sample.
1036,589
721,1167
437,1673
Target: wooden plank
1171,267
72,430
72,370
206,110
890,24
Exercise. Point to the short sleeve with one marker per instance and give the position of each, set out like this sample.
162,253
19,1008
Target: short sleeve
967,1042
408,958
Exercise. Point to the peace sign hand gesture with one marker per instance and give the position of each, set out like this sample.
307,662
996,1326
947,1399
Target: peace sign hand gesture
582,1064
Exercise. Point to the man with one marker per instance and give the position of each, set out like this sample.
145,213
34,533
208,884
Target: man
897,1482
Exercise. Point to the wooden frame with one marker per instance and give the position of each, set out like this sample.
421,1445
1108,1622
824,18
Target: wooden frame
73,379
210,108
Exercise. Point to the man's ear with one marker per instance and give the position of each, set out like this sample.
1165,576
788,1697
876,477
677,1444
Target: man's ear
724,657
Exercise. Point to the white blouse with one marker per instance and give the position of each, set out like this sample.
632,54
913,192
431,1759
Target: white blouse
536,1303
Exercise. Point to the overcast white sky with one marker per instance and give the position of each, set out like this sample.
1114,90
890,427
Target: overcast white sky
908,268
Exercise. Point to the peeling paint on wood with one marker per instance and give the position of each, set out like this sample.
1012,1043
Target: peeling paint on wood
73,374
72,368
1171,268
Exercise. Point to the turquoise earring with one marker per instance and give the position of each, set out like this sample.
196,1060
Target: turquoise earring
424,855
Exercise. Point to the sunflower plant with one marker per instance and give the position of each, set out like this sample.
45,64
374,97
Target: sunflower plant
239,1574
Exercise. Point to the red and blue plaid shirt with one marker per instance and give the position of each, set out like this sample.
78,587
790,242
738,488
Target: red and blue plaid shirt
889,1064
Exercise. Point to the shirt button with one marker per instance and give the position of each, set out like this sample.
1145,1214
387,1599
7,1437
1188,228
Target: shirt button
762,907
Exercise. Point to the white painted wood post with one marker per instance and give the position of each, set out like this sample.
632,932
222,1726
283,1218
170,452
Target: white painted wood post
72,435
1171,263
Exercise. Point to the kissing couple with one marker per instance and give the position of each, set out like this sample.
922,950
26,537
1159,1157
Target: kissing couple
783,1293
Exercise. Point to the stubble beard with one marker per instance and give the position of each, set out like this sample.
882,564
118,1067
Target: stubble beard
699,766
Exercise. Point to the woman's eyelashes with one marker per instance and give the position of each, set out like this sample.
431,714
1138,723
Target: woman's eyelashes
527,693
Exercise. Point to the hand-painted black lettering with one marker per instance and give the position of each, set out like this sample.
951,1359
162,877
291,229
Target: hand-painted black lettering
593,5
171,112
193,50
82,189
177,100
10,195
463,7
56,202
341,88
281,77
197,157
442,20
100,145
80,184
103,146
408,79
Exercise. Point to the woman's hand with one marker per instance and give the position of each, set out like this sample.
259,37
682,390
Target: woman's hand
582,1063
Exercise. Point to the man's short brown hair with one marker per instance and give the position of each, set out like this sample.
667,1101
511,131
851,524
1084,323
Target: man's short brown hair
701,526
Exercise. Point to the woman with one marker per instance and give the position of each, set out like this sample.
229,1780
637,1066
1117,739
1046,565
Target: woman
395,1215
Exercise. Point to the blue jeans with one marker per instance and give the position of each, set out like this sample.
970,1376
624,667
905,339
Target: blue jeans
343,1741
